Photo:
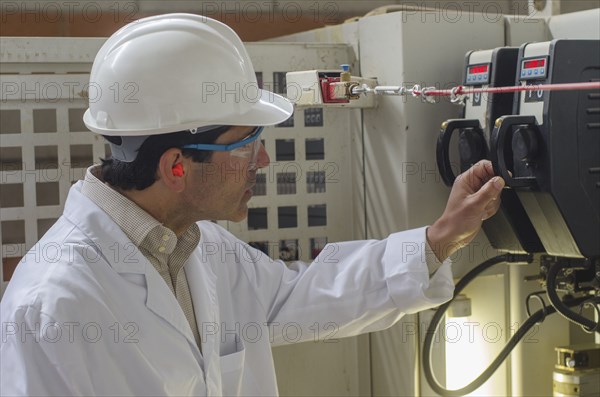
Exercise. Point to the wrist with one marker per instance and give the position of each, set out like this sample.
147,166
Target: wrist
439,239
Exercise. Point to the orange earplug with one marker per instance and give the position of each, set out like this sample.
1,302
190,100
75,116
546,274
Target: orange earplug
178,170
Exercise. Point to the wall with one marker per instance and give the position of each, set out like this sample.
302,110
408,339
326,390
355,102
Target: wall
252,20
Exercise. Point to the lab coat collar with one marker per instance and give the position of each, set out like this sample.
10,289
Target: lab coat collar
107,238
110,242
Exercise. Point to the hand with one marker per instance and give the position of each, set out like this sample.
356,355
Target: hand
475,197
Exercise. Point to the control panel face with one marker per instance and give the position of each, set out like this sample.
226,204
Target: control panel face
534,68
534,62
478,74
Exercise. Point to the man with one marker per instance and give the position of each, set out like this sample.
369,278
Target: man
143,294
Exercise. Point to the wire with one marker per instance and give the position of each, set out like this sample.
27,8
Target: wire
587,324
459,92
531,321
595,304
539,298
439,314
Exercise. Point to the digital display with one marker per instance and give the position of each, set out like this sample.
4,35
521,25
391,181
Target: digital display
478,74
478,69
534,68
534,63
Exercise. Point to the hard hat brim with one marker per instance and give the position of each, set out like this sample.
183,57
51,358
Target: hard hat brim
270,109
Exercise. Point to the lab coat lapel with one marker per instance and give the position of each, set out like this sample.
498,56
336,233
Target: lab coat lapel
163,303
124,257
202,281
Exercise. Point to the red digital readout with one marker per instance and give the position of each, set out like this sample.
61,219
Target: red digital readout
535,63
478,69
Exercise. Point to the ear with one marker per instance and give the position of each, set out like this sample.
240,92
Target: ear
172,168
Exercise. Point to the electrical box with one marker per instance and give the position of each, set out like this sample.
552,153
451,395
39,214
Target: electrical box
510,229
319,88
549,150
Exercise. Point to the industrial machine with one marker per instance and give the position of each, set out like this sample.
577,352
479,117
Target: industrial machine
510,230
498,126
551,146
549,153
544,145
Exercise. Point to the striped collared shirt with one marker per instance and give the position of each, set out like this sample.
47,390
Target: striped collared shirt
160,245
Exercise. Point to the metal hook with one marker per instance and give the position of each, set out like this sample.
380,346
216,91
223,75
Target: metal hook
415,90
425,95
456,97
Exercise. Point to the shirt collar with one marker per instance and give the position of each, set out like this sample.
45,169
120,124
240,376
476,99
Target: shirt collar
133,220
141,228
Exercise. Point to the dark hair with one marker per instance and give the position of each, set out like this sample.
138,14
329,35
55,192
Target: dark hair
141,172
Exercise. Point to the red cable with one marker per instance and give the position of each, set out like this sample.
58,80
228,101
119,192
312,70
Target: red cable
461,90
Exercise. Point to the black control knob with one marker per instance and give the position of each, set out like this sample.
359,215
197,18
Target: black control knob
471,148
525,145
504,143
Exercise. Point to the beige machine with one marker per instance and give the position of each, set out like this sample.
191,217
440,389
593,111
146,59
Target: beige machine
402,190
577,371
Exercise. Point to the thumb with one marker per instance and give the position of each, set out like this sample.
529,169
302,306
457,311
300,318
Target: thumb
489,192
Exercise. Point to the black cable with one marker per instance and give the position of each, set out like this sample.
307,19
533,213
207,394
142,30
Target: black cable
439,314
537,317
587,324
595,304
539,298
532,320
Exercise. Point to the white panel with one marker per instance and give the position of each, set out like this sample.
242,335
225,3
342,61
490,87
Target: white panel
323,368
323,380
404,189
532,361
43,81
522,29
577,25
290,9
394,356
49,50
345,33
403,185
473,342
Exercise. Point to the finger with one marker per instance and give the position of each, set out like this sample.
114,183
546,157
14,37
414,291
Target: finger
490,191
479,174
483,170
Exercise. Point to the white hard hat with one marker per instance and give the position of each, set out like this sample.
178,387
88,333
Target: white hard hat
176,72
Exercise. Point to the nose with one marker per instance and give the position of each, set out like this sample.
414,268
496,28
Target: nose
263,159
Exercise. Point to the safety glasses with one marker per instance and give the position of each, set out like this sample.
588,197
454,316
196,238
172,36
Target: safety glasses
247,148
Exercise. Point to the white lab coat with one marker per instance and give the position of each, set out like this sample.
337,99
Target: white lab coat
86,314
